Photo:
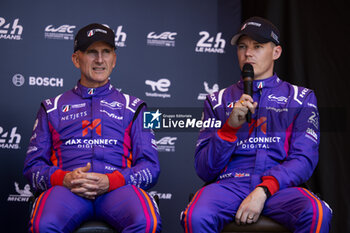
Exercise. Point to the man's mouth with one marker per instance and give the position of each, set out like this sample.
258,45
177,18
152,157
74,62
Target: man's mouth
98,68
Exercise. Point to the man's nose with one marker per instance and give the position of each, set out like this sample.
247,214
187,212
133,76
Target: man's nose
248,51
99,58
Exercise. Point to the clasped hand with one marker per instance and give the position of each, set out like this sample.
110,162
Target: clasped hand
86,184
240,110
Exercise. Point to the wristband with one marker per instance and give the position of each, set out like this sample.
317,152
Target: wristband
266,190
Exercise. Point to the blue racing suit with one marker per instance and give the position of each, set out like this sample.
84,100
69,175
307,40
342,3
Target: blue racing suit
280,142
104,127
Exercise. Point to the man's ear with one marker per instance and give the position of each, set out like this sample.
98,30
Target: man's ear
75,59
277,51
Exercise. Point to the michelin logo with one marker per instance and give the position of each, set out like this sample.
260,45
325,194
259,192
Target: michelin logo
22,195
209,90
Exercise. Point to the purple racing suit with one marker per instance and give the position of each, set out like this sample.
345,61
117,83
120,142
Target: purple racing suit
280,142
104,127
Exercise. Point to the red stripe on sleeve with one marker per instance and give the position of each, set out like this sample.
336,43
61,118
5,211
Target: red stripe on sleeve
228,133
116,180
271,183
57,177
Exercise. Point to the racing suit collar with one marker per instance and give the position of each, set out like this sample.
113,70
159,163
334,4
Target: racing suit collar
87,92
272,81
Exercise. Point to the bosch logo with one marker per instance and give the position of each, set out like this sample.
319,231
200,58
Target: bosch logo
18,80
45,81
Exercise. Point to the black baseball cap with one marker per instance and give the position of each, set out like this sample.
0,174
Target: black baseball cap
92,33
258,29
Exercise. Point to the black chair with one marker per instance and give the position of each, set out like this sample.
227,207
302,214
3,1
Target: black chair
95,226
263,225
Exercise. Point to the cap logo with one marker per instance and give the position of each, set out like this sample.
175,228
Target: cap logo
254,24
93,31
274,36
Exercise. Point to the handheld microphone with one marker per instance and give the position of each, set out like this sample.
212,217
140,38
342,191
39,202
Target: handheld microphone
248,76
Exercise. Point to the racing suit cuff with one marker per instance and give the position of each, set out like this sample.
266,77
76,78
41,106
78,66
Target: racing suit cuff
57,177
228,133
270,183
116,180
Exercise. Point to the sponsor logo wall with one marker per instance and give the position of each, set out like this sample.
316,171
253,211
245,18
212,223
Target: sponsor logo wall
168,60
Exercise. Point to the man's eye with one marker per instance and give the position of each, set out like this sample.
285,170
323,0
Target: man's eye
91,52
241,46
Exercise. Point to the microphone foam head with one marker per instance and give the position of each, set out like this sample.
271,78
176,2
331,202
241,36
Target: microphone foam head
248,70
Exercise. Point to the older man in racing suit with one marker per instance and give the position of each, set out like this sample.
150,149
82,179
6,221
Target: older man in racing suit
89,154
255,168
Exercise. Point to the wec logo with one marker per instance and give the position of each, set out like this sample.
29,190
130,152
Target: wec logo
63,32
166,144
166,39
63,29
163,36
167,141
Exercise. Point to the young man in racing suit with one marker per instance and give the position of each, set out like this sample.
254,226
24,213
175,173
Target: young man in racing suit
255,168
89,155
